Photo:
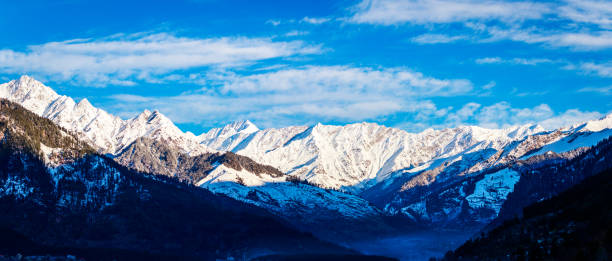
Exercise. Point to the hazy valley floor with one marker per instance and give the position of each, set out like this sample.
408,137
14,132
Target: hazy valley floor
417,246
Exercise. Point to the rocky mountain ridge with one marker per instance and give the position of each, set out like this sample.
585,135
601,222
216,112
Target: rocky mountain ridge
106,132
451,176
58,192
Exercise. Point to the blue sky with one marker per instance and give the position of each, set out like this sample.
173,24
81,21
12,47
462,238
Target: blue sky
405,64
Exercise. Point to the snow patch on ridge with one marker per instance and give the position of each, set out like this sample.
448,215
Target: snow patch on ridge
493,189
221,173
577,140
286,198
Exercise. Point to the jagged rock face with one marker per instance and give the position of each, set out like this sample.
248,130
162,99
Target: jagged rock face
495,194
107,133
156,156
357,156
323,212
352,157
429,176
228,137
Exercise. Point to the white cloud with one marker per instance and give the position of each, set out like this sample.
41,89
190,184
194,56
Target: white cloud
315,20
587,11
588,40
341,94
467,110
296,33
580,41
569,118
601,90
436,38
349,80
387,12
274,22
502,114
519,61
308,94
122,59
586,23
603,70
487,60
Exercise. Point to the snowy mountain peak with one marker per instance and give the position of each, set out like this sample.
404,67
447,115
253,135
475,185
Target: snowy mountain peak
161,120
28,92
108,133
154,117
84,104
353,156
600,124
229,136
158,115
144,115
26,81
245,126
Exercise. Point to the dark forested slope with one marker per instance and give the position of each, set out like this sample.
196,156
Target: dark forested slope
60,195
574,225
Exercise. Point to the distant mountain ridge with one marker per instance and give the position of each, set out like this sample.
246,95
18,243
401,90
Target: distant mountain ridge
562,215
323,212
451,176
374,151
108,133
56,191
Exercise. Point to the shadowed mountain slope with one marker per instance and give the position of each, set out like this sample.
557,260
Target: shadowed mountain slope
55,191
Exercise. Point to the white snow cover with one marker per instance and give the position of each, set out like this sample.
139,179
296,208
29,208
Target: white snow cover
281,196
48,152
221,173
594,125
357,156
223,139
574,141
493,189
352,157
107,132
284,197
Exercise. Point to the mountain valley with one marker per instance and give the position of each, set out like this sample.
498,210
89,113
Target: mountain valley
84,167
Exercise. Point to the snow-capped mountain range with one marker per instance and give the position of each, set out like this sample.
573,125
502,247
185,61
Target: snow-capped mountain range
109,133
382,164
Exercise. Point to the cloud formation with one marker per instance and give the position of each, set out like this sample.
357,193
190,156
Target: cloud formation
502,115
345,80
436,38
343,94
519,61
580,40
121,59
601,90
586,24
388,12
315,20
588,11
307,94
602,69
